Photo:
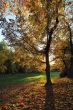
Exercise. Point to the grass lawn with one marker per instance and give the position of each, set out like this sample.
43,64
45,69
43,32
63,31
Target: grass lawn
23,78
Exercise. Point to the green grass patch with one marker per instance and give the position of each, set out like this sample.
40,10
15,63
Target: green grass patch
23,78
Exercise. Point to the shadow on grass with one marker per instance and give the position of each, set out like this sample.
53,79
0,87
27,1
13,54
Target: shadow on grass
49,99
10,79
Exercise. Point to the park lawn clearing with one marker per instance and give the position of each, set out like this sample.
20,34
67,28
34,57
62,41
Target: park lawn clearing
12,79
34,96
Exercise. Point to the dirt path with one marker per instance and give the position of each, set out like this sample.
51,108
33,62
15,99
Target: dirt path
35,96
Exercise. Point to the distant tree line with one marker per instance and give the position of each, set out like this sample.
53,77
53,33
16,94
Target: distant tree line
9,65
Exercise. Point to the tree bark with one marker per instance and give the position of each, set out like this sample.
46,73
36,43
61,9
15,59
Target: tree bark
70,74
47,49
47,68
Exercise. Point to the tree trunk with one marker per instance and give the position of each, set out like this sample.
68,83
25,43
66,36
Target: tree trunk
47,50
71,67
65,70
49,33
47,68
70,74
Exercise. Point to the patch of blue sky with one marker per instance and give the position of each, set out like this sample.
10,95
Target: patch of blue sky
8,15
1,36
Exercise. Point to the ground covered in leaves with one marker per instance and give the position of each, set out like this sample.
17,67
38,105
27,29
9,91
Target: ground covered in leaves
34,96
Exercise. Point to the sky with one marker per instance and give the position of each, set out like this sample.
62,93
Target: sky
1,36
8,15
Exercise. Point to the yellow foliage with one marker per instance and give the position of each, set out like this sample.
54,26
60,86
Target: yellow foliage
3,57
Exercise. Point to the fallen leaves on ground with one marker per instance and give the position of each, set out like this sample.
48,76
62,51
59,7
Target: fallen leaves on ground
34,96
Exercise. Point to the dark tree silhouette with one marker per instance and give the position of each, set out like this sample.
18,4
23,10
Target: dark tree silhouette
49,99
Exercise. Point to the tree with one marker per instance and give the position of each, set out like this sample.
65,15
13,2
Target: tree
4,53
51,7
66,28
40,20
61,52
41,23
68,17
